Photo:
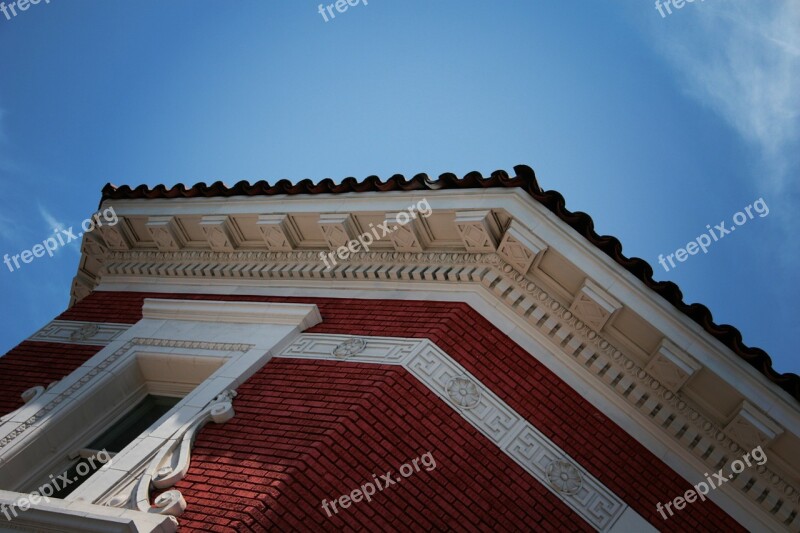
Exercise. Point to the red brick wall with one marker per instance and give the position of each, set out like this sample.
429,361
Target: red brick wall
37,363
312,430
224,464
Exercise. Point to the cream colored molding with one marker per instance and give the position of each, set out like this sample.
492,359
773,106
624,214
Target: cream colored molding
475,228
518,204
277,232
485,411
79,332
520,247
114,237
405,237
337,228
231,312
166,233
671,366
594,305
221,233
752,427
93,244
672,415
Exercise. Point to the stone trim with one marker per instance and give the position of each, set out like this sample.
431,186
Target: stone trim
489,414
672,414
79,332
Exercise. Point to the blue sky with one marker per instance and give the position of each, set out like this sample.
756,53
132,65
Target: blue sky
654,126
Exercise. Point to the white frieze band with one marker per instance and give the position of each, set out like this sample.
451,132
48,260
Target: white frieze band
479,406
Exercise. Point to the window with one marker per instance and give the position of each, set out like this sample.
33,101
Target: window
114,439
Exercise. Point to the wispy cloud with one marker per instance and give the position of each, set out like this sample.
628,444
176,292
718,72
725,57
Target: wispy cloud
7,228
742,59
54,224
50,219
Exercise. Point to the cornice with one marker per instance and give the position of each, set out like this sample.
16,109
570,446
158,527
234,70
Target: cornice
524,180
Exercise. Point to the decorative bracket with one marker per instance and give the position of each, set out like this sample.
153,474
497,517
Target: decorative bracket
171,463
520,247
166,233
338,229
221,233
751,428
476,231
29,396
594,306
671,366
277,232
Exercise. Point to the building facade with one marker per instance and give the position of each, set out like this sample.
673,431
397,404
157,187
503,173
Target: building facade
459,353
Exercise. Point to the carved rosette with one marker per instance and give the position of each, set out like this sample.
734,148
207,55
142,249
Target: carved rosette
463,392
87,331
350,348
564,477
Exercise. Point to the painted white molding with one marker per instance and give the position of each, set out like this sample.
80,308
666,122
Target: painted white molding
79,332
476,230
671,366
405,237
338,229
168,331
79,517
621,284
277,232
521,247
594,305
221,233
618,370
28,396
752,427
115,237
231,312
166,233
171,462
485,411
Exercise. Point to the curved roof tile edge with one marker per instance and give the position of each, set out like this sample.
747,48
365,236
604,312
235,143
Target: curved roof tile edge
525,179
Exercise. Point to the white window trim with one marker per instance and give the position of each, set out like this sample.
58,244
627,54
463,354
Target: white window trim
169,330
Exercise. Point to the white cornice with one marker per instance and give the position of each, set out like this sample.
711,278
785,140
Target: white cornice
605,272
301,315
